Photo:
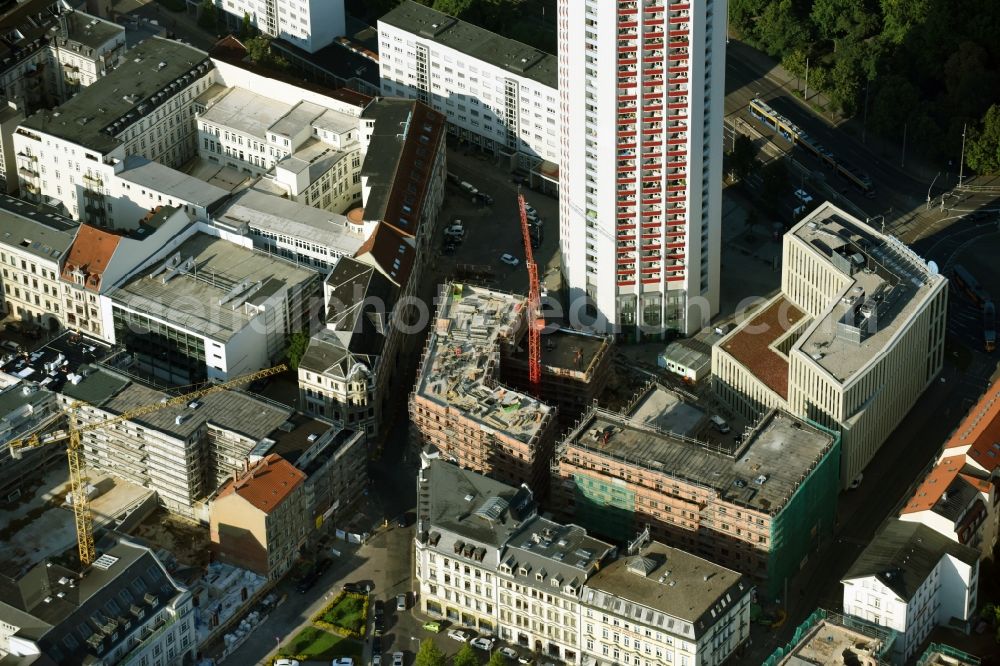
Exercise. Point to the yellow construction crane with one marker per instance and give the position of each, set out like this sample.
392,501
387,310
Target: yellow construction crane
81,503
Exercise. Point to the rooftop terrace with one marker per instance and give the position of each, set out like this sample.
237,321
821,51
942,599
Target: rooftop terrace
889,284
752,343
762,474
460,364
833,637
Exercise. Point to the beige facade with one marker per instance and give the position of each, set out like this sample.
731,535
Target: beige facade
259,520
853,339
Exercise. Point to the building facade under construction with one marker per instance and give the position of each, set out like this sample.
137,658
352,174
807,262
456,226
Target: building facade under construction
459,404
758,506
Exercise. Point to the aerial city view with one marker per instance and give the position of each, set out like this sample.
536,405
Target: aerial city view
465,332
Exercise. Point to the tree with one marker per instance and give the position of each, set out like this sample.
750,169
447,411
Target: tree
246,29
453,7
466,656
207,16
742,157
429,654
297,344
774,184
497,659
982,150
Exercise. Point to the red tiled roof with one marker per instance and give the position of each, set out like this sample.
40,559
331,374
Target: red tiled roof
980,430
750,344
91,252
387,250
935,484
266,484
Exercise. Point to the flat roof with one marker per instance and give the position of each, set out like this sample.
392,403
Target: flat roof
834,637
151,68
267,212
751,342
300,115
228,410
90,31
567,350
57,363
881,272
668,411
161,178
762,474
245,111
510,55
460,367
670,582
199,299
44,235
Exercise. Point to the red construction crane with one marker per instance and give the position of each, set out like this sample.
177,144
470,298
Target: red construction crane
535,320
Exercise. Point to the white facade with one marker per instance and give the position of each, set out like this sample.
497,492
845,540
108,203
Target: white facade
490,96
66,157
641,88
852,341
948,592
308,24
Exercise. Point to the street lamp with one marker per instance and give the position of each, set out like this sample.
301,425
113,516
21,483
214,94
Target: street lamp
961,164
929,190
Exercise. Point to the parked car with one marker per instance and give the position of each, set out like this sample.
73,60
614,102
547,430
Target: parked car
378,626
508,652
509,259
449,249
401,600
357,588
378,608
306,582
482,643
285,662
524,659
323,566
376,645
342,661
460,635
403,520
803,196
376,659
397,659
433,627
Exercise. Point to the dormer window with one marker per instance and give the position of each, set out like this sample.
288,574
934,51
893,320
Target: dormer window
523,571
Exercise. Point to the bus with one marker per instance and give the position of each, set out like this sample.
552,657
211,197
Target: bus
970,287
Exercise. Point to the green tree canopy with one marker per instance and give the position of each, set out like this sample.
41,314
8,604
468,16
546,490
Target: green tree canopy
982,149
429,654
743,157
297,344
465,656
497,659
207,17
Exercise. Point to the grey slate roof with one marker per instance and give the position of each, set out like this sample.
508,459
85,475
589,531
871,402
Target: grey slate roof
679,586
904,554
510,55
58,614
360,301
327,355
47,236
553,551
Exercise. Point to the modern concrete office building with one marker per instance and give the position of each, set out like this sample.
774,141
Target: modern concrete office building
855,336
641,88
498,94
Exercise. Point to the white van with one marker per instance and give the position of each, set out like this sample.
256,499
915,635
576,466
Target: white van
719,423
467,186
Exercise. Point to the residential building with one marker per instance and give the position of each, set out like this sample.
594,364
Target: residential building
977,437
458,405
404,170
759,505
308,24
641,88
308,236
205,308
309,151
912,579
144,107
183,453
957,501
33,246
662,605
259,518
853,339
830,638
25,409
345,372
123,609
99,258
334,460
485,559
497,93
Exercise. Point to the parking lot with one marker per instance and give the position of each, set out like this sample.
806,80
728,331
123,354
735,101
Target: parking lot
490,231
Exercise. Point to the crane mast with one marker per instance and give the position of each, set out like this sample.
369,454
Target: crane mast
535,321
72,434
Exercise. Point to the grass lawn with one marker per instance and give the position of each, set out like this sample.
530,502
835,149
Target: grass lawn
347,612
313,643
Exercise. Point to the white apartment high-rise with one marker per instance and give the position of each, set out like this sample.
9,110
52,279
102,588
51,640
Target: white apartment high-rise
308,24
641,87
